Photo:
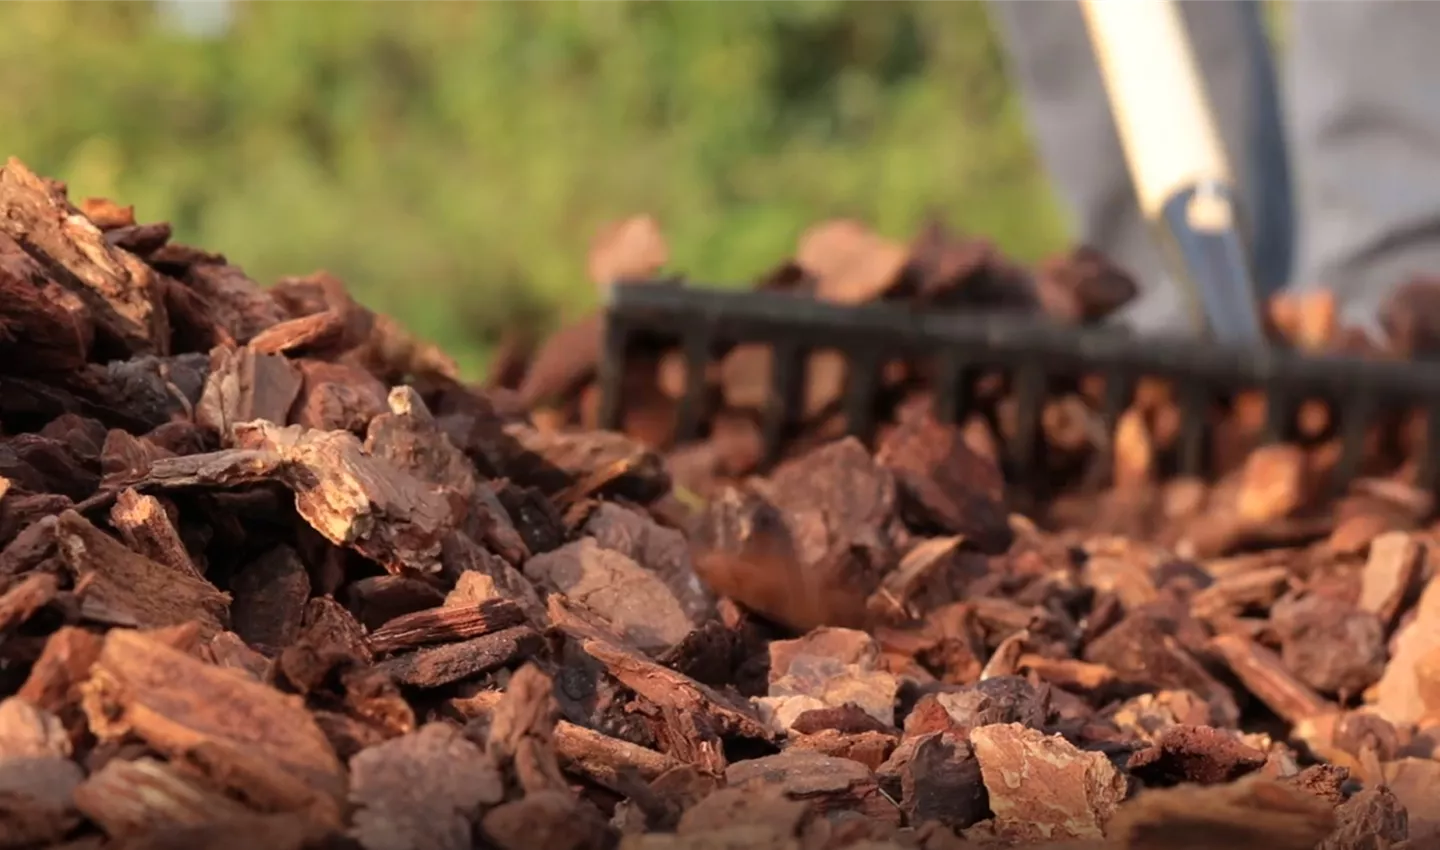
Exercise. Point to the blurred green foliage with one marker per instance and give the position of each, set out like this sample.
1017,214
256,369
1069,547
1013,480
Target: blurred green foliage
451,161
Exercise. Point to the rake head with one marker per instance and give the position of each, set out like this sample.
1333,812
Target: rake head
1034,353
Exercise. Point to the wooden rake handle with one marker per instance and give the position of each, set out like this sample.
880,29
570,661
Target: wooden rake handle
1175,156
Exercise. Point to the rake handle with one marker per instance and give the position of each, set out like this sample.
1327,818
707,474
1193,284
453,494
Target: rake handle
1177,162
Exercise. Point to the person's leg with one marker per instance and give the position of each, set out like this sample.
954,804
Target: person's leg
1364,108
1052,64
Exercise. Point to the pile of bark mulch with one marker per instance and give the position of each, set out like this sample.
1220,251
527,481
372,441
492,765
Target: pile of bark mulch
272,576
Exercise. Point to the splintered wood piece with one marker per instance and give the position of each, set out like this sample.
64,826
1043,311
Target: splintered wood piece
354,499
146,528
446,625
1263,674
245,738
124,588
673,690
317,330
435,666
409,438
120,291
422,790
606,761
132,798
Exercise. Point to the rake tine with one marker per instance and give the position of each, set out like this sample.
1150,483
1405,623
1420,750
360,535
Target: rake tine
1353,422
611,371
1030,393
862,386
786,366
951,391
1430,462
1194,415
1024,346
1279,415
698,345
1119,390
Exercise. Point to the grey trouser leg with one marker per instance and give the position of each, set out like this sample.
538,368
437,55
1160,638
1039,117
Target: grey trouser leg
1364,110
1052,63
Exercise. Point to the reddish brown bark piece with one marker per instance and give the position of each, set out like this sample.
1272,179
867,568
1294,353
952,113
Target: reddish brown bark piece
944,486
674,691
1083,286
813,671
1391,577
547,819
1042,788
336,397
377,600
850,264
123,588
147,530
43,326
569,466
1198,754
1265,676
28,731
1330,646
660,550
606,760
354,499
1373,818
936,777
119,290
1138,650
446,625
24,597
441,665
128,799
245,738
244,386
37,804
565,361
422,790
522,732
829,784
635,601
238,303
1256,813
270,593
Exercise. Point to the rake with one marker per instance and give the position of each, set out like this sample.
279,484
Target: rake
1034,353
1183,186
